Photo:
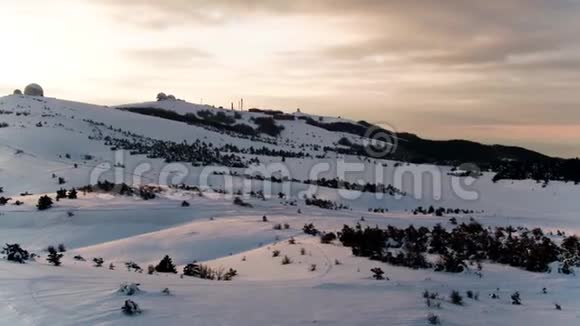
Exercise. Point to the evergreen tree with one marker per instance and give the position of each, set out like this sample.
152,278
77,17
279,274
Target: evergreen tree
571,244
44,202
378,273
54,256
72,194
61,193
431,210
456,298
14,253
438,240
166,265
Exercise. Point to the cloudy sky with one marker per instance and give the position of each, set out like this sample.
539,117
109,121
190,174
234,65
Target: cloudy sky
505,71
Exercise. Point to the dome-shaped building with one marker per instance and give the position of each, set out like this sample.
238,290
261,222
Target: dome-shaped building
33,90
161,97
17,92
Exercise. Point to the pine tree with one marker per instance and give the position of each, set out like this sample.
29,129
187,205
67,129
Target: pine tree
14,253
431,210
166,265
72,194
456,298
54,256
61,193
378,273
44,202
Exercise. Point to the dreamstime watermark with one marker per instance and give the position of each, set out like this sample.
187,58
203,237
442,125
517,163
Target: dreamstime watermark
380,141
350,179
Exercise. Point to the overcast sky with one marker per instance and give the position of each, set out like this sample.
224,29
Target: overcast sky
505,71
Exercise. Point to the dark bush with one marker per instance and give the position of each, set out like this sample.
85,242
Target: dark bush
130,308
4,201
327,238
456,298
310,229
205,272
238,201
98,261
433,319
516,300
133,266
13,252
268,126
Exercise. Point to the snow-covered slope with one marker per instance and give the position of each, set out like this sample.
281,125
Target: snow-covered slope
46,139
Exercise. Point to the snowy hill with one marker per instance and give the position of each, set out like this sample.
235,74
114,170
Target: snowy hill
184,164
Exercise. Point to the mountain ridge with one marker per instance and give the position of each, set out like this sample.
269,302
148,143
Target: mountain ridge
275,133
510,151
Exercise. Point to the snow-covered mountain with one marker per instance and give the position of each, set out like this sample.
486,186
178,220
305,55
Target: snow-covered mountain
286,168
